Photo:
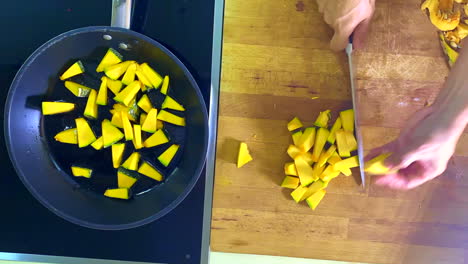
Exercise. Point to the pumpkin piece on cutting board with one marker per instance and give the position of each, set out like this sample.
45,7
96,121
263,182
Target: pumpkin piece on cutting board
290,182
77,89
298,193
85,133
322,119
125,179
149,171
165,85
68,136
314,200
111,57
53,108
320,140
351,141
296,136
325,155
377,166
118,193
128,93
243,156
347,120
129,75
110,134
329,173
102,94
117,154
75,69
342,144
305,172
115,71
294,124
154,78
132,162
442,14
170,103
98,144
149,125
313,188
307,140
78,171
145,103
348,163
290,169
337,125
158,138
91,109
171,118
317,171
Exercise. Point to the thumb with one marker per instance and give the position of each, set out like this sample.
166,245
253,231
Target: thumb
360,34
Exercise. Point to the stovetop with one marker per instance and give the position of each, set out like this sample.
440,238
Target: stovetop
183,26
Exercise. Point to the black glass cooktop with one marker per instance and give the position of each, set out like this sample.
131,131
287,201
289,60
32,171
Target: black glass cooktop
183,26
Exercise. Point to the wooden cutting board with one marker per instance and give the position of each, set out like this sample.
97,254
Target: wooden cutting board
275,58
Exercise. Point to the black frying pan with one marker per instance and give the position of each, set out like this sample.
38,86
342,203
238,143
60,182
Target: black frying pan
30,151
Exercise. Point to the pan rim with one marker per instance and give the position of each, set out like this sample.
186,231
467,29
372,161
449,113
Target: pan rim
30,187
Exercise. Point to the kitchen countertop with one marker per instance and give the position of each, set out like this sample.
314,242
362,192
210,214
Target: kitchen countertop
275,58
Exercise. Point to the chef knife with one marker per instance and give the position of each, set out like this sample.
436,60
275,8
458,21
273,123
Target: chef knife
349,53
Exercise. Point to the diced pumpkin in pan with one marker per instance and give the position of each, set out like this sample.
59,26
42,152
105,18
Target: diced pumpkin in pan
290,182
114,85
315,199
326,155
170,103
171,118
304,171
351,141
52,108
243,157
322,119
298,193
294,124
143,78
102,94
117,119
377,166
91,109
296,137
133,110
85,133
313,188
110,134
115,71
68,136
132,161
166,157
348,163
75,69
329,173
307,139
159,124
137,143
125,179
149,171
165,85
290,169
111,57
145,103
150,121
118,193
129,75
98,144
342,143
320,140
81,172
152,75
347,120
128,93
77,89
143,118
337,125
117,154
127,126
158,138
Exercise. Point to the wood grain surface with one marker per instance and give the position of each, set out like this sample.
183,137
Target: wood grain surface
275,58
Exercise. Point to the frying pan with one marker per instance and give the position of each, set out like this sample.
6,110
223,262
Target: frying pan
29,151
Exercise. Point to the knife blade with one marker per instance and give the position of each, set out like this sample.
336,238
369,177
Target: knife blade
349,53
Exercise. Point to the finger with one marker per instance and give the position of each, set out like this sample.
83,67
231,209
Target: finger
394,181
360,34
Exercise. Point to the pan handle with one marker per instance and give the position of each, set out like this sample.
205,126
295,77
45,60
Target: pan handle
121,13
